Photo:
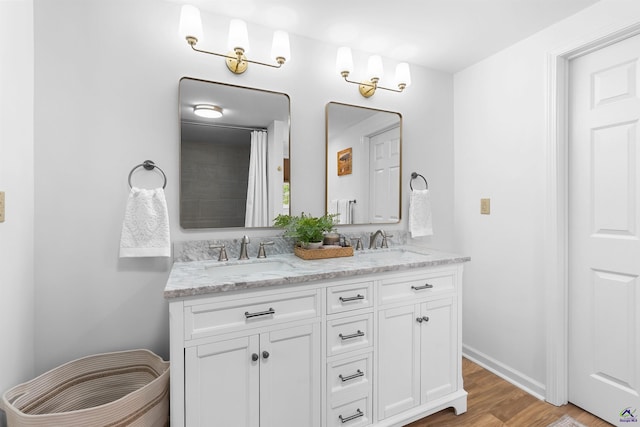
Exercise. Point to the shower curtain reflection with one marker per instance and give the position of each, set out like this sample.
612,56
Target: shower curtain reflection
257,188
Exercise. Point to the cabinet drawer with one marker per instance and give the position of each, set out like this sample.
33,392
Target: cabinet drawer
202,320
409,288
349,297
353,414
349,333
349,379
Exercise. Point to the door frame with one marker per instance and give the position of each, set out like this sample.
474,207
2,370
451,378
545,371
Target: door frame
556,212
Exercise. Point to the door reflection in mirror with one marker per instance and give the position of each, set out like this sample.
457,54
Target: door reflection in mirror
364,164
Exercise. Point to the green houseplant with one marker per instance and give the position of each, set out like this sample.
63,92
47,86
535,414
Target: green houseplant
305,228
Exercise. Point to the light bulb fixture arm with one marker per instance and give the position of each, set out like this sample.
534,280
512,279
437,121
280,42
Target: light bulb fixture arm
368,87
237,63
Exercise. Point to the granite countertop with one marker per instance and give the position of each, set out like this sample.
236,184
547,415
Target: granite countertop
210,277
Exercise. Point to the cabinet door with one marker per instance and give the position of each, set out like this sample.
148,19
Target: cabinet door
290,377
398,360
438,348
222,384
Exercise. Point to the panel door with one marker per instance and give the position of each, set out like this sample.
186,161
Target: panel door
604,245
385,176
398,380
222,384
290,377
438,349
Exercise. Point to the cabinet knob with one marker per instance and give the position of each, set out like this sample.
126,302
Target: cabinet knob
425,318
419,319
255,357
265,354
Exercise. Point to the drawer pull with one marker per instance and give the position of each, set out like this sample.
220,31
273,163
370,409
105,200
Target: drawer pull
358,414
260,313
420,288
359,373
348,337
347,299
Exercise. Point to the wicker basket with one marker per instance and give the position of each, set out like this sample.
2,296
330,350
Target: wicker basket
129,388
324,252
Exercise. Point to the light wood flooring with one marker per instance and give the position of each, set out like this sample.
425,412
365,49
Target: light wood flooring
494,402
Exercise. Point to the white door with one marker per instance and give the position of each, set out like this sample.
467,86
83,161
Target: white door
384,150
438,343
398,379
604,232
290,377
222,383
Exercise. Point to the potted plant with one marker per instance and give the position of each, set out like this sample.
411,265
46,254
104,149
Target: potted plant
306,229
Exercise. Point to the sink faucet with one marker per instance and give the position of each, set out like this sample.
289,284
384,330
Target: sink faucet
373,239
374,236
243,247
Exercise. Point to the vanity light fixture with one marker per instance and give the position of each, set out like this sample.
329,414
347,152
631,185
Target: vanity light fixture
238,42
207,111
344,66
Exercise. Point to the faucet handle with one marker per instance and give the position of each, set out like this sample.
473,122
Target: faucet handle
358,243
384,240
261,251
223,252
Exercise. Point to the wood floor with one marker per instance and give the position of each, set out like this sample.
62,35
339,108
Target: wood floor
494,402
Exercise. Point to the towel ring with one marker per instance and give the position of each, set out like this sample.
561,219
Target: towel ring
148,165
414,175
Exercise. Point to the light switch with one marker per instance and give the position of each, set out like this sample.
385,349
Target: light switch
485,206
1,206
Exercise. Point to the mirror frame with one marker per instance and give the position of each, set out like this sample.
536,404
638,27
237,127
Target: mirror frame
180,123
327,159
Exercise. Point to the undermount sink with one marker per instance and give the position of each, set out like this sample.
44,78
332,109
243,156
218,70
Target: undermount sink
390,254
245,268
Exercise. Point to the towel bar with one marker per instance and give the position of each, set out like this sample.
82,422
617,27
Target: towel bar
414,175
148,165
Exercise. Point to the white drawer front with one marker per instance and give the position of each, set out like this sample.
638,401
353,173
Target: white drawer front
349,297
209,319
350,333
352,414
415,287
349,379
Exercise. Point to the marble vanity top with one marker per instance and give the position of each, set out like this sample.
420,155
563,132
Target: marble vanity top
208,277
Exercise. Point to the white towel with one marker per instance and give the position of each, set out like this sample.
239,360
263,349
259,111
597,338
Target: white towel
145,229
344,211
420,214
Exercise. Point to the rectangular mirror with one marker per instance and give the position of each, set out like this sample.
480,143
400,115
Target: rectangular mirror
234,169
364,164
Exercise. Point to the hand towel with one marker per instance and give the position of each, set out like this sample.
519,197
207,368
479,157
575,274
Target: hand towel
420,214
145,229
344,211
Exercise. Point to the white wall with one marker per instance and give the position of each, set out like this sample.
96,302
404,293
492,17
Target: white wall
500,137
106,98
16,180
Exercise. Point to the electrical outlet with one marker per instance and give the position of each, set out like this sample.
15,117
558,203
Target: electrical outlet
1,206
485,206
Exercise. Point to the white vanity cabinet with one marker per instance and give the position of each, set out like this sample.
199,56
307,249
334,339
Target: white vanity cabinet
380,349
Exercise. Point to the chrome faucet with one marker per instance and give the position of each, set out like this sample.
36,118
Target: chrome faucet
243,247
373,244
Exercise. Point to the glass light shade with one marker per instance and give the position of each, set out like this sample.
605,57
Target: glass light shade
238,35
344,60
403,74
190,22
374,67
280,47
208,111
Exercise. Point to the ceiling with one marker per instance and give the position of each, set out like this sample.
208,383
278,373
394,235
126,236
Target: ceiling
447,35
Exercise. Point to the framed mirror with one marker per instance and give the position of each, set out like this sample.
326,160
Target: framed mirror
234,169
364,164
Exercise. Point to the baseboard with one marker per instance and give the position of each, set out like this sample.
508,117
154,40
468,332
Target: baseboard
516,378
